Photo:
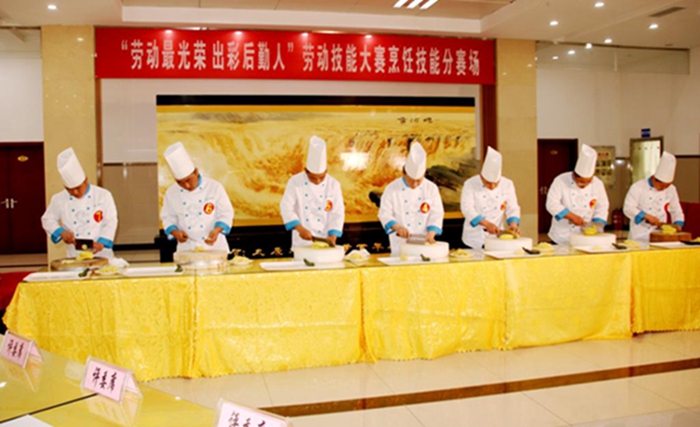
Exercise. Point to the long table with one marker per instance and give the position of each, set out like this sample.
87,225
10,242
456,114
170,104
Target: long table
250,320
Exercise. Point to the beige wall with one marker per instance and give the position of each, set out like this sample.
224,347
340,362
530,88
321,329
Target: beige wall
69,104
516,111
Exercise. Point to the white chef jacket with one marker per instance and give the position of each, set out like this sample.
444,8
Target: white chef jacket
478,202
564,196
642,198
91,217
419,209
197,212
317,207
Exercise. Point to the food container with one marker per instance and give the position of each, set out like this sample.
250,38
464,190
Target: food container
71,264
205,262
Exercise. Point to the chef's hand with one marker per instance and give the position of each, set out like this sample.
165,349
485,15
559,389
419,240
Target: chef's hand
575,219
213,235
332,238
515,228
68,237
303,232
180,236
97,246
430,237
651,219
490,227
401,231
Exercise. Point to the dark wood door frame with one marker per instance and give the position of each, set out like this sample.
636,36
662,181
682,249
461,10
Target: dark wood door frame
547,172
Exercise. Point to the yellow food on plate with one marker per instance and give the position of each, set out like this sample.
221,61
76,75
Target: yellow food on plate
461,253
520,252
241,260
544,246
357,256
668,229
697,239
199,249
320,245
84,255
597,248
590,231
403,257
506,237
631,243
107,270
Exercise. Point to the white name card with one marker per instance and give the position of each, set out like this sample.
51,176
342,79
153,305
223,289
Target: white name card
108,380
232,415
17,349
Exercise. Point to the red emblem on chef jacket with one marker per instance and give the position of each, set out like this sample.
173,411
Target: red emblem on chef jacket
503,206
209,208
592,203
98,216
424,207
329,205
666,206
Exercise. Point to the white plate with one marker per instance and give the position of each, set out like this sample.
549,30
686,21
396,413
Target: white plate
168,270
508,255
298,265
394,260
672,245
467,257
53,276
599,249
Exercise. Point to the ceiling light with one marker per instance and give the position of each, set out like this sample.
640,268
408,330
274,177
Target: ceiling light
553,23
608,41
80,39
572,52
653,26
599,4
555,58
589,46
414,3
400,3
428,4
52,7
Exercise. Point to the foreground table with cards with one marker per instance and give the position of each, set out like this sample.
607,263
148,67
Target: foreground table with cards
255,319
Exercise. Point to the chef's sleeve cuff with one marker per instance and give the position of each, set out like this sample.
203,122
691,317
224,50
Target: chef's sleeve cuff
561,214
106,242
291,224
437,230
679,223
514,219
169,230
56,235
336,233
225,228
640,217
600,221
388,226
476,221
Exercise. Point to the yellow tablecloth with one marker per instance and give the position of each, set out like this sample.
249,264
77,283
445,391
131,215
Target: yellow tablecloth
143,324
666,290
558,299
430,310
276,321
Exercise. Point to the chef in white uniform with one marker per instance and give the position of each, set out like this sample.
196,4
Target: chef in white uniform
196,210
577,198
487,200
649,200
81,211
312,204
411,204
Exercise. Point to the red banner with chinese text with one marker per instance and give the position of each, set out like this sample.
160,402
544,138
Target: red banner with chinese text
223,54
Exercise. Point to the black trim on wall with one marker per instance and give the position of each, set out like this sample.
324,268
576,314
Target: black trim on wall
163,100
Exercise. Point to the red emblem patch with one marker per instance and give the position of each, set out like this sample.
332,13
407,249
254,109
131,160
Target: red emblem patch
592,203
329,205
98,216
425,207
209,208
503,206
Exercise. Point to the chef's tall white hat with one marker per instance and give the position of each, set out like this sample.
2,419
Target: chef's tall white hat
491,169
179,161
69,167
666,170
316,158
585,165
415,163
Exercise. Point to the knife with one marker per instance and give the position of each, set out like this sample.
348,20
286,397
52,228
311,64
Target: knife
324,240
417,239
79,243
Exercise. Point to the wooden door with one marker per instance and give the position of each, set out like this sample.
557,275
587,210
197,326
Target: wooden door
554,156
24,178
